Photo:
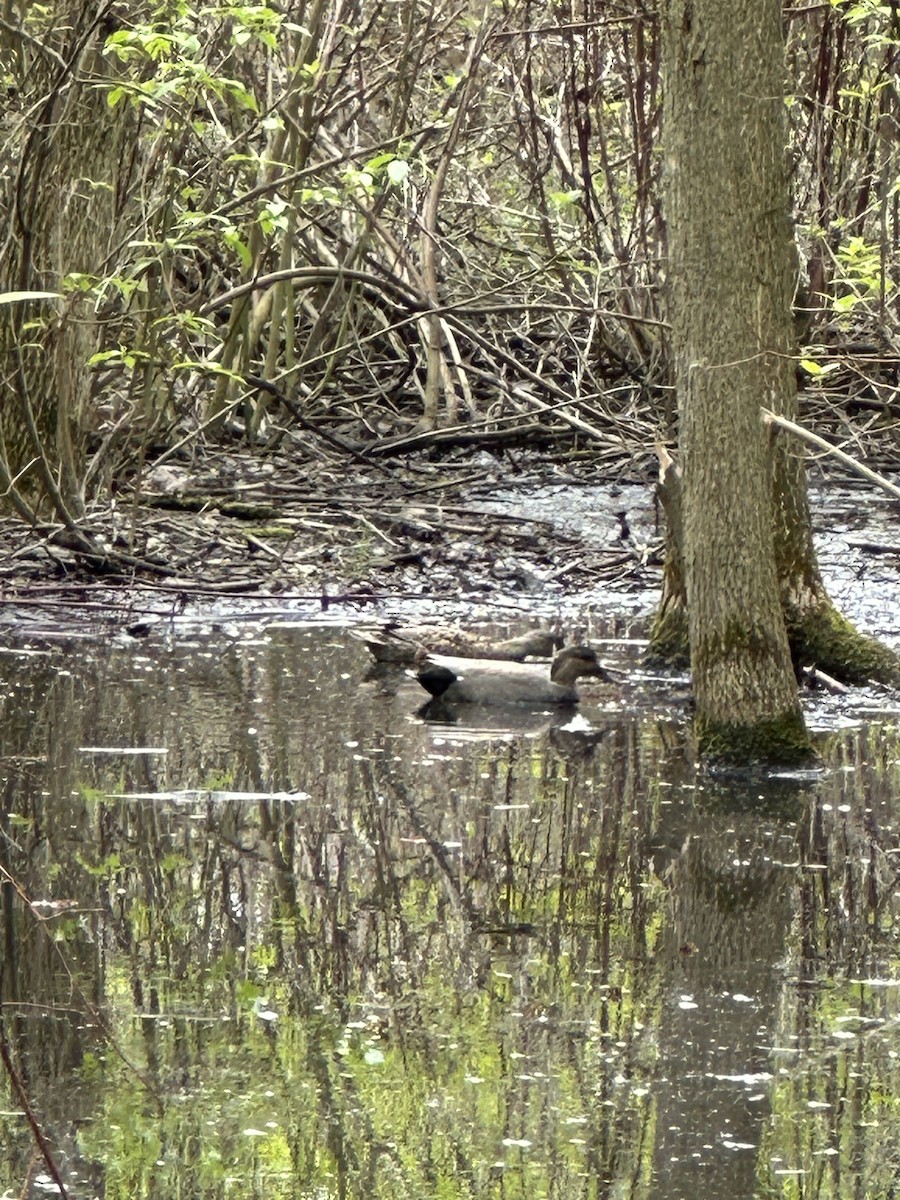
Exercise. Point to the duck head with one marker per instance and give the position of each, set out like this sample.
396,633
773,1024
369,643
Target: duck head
576,662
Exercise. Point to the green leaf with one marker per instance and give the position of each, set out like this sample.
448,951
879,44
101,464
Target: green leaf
565,199
844,304
398,171
18,297
233,239
375,164
208,368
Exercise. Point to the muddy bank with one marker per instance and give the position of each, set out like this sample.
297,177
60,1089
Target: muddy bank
483,537
473,528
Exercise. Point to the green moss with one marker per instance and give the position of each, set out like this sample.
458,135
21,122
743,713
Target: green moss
741,640
821,637
780,740
669,641
245,510
824,638
270,532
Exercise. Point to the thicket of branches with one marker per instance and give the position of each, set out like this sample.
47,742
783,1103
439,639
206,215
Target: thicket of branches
368,222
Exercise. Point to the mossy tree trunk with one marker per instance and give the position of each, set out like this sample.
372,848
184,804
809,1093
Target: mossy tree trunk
669,638
731,284
819,635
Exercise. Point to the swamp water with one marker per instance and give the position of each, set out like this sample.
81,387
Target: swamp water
267,933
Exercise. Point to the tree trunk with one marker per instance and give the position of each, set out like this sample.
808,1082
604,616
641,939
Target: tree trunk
669,637
731,287
61,206
819,635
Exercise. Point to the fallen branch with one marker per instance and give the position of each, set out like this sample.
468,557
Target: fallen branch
771,418
873,547
815,676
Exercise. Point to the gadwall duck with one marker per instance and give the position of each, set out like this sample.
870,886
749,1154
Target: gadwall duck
408,645
483,681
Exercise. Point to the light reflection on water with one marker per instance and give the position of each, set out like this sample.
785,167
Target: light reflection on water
283,932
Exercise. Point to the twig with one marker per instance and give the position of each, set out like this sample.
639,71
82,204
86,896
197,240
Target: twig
771,418
331,439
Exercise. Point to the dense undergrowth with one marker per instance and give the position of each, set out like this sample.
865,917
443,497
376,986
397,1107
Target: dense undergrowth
353,229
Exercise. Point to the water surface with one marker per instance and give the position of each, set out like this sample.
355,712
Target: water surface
267,933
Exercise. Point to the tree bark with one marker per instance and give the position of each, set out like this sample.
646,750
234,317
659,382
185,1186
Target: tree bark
61,206
731,286
819,635
669,637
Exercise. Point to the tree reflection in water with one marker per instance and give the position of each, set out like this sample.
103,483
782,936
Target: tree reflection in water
269,934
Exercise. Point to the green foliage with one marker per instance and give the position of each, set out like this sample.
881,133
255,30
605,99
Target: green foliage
566,200
863,12
862,266
273,216
129,360
175,54
257,143
395,169
817,370
251,22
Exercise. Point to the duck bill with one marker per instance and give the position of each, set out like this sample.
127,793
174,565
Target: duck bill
598,672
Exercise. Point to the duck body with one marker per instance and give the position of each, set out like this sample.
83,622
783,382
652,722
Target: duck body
409,645
485,681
